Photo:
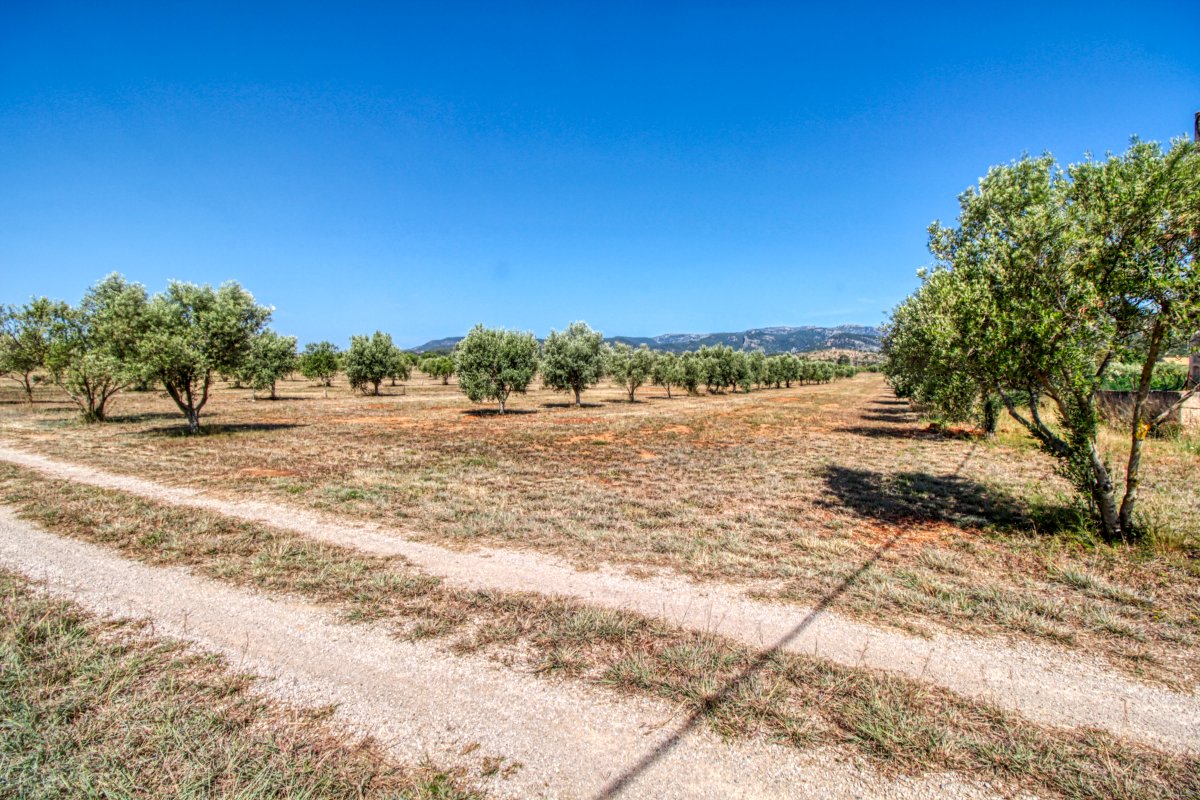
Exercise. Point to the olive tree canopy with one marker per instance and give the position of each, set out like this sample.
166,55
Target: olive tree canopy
93,351
320,361
194,332
270,358
25,334
630,367
1051,277
371,359
438,367
573,360
492,363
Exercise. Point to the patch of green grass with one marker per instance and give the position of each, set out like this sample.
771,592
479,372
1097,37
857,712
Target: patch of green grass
344,494
97,708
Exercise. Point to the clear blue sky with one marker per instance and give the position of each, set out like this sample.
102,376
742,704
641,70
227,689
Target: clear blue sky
650,168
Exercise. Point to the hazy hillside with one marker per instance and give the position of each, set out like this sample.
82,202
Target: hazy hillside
769,340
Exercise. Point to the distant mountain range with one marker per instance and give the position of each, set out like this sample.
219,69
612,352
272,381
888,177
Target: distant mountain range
803,339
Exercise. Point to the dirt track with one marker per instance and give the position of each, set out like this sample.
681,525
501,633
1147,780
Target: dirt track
1043,684
569,741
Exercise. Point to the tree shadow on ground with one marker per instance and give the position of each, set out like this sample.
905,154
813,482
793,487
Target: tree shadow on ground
37,401
922,497
143,416
572,405
889,416
402,391
713,702
228,429
917,497
892,403
906,432
495,412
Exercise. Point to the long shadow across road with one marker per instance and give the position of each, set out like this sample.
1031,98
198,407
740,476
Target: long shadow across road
712,702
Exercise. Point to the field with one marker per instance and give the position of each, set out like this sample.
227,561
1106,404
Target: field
790,489
834,497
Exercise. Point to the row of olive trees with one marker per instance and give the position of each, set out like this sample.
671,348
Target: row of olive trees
182,339
493,363
186,337
119,336
1050,279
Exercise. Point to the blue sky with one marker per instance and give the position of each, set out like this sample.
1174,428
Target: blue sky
649,168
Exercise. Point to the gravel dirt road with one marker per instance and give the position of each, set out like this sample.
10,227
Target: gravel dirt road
552,738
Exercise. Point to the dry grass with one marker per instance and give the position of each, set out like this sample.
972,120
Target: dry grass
896,723
792,489
96,708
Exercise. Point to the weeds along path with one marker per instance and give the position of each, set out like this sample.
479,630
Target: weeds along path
1043,684
541,738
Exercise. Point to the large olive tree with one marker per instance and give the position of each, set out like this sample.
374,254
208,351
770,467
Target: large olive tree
193,333
573,360
492,363
1050,277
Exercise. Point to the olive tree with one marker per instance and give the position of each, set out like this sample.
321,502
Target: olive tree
790,369
439,367
1053,275
757,369
93,351
25,337
269,358
668,371
492,363
193,333
573,360
743,370
724,367
691,372
320,361
630,367
782,369
402,366
370,359
924,361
